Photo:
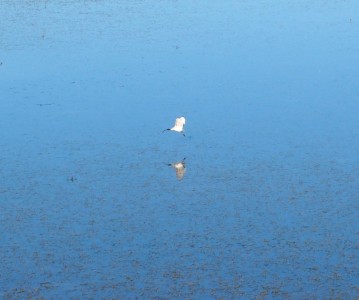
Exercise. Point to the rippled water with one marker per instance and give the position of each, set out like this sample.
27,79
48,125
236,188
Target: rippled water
266,202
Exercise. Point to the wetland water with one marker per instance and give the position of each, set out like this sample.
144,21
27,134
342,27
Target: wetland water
268,204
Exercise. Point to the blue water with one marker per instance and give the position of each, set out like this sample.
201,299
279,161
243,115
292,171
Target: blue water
268,204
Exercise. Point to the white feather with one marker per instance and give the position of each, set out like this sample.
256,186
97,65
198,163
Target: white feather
179,124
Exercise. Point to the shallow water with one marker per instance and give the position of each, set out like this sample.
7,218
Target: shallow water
268,204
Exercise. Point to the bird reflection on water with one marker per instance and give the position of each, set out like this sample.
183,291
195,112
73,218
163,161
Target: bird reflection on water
180,168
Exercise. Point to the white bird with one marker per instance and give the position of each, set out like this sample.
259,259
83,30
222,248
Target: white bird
180,168
179,125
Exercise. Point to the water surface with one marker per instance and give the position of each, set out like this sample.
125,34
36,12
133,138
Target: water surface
267,206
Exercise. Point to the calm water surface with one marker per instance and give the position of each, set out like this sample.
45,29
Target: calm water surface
267,204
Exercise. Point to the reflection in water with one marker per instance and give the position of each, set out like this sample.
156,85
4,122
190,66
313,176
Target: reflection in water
180,168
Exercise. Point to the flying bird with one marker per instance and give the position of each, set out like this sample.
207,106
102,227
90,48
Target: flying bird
180,168
179,125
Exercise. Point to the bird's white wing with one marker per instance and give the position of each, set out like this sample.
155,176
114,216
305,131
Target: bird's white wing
180,122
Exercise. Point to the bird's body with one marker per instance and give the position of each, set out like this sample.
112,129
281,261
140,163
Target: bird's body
179,125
